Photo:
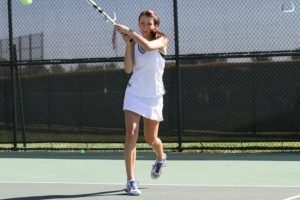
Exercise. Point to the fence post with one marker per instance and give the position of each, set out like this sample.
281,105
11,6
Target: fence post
253,93
20,98
12,72
179,106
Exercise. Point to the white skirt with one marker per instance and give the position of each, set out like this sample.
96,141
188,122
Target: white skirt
150,108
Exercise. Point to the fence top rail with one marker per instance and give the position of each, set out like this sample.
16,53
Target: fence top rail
169,57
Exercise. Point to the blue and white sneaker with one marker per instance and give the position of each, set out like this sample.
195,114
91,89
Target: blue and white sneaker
132,188
157,168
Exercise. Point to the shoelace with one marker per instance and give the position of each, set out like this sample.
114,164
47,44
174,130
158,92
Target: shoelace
132,185
158,166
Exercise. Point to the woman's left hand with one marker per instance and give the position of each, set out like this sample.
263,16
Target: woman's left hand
122,29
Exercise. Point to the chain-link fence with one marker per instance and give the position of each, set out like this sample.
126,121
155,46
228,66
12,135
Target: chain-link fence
232,75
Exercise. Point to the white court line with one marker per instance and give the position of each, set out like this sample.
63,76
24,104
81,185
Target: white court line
292,198
179,185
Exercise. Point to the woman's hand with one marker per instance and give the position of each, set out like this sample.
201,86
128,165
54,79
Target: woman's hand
127,39
122,29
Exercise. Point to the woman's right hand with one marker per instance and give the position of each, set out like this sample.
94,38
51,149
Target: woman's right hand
126,39
123,30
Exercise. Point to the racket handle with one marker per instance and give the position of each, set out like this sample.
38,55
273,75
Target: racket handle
131,40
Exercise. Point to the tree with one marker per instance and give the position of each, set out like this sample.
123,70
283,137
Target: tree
203,61
261,59
111,66
82,67
57,69
4,70
97,67
33,70
296,57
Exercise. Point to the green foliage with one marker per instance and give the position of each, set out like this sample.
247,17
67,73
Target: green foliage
111,66
203,61
82,68
86,68
296,57
261,59
57,69
34,70
4,71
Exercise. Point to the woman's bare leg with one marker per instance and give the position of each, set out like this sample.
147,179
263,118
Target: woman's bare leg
132,127
151,136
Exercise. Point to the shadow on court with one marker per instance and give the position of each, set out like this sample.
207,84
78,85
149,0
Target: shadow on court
105,193
157,192
96,194
71,196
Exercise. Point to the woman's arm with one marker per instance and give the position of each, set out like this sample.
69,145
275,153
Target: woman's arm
129,57
159,43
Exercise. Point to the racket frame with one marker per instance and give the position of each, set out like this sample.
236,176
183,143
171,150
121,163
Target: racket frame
290,10
101,11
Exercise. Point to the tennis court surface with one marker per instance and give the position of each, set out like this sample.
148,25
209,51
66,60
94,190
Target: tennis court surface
101,175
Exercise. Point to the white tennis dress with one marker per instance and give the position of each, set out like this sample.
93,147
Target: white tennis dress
145,89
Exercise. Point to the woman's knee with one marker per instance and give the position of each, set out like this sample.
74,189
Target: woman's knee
131,133
150,140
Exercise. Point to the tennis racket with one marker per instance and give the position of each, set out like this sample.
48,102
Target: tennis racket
288,7
101,11
106,16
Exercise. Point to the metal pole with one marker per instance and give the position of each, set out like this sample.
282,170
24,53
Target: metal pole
20,48
179,100
42,46
1,57
12,70
21,103
253,98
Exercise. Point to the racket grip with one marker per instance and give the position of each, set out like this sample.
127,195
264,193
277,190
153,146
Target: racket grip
131,40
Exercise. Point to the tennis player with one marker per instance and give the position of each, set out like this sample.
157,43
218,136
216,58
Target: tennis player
145,59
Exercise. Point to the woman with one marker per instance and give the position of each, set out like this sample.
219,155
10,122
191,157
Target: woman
144,58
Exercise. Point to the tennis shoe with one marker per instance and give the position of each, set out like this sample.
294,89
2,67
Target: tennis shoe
157,168
132,188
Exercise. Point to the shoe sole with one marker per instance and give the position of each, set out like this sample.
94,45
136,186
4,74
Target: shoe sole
132,194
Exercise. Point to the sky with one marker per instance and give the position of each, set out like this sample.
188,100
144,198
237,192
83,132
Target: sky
73,29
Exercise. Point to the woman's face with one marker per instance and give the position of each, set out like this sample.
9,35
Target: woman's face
146,26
